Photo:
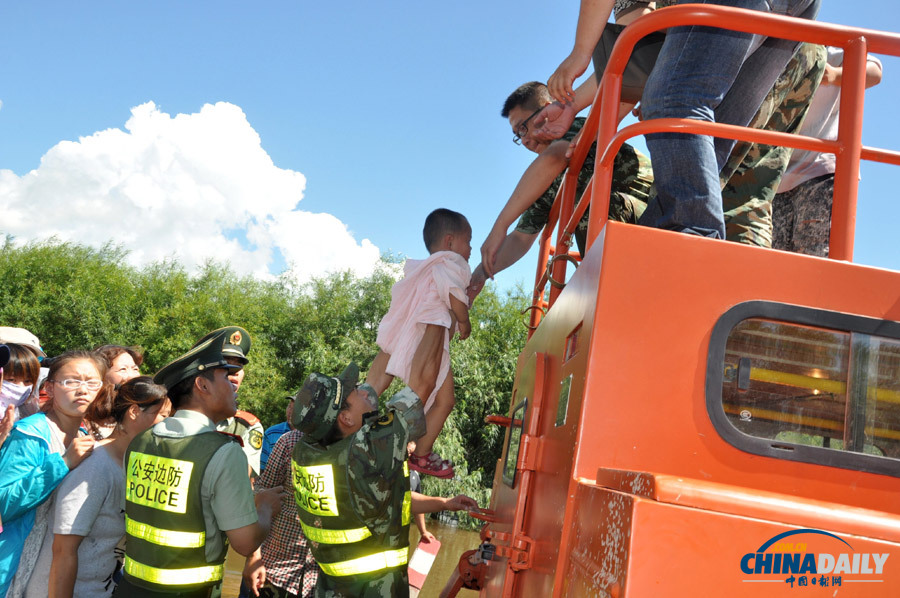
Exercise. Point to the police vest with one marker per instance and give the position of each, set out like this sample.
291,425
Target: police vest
164,524
341,542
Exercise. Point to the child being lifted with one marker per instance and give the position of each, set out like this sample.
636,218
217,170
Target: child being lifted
427,307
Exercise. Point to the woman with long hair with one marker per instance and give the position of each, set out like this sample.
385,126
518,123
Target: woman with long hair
87,522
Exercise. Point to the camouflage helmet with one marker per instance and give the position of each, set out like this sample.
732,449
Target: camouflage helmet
317,404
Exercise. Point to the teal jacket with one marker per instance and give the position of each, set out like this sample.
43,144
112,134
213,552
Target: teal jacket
31,471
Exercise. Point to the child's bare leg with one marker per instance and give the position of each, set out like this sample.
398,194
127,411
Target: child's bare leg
377,377
443,404
426,361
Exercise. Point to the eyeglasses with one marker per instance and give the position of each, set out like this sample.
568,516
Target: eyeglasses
522,129
73,384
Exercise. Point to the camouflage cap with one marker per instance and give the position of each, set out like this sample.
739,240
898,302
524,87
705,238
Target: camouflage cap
207,355
237,342
317,404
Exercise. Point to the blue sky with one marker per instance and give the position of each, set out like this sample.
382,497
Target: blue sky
369,115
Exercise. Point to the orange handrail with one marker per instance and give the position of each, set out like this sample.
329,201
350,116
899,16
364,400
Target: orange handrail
602,125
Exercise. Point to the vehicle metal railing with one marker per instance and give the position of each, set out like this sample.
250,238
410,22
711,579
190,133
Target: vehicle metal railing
601,125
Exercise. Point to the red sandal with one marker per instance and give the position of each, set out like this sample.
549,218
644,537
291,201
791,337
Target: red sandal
431,464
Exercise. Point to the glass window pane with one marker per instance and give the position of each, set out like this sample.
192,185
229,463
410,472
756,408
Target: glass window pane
882,396
515,438
787,382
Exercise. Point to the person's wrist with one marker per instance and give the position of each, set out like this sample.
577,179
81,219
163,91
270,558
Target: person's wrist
582,50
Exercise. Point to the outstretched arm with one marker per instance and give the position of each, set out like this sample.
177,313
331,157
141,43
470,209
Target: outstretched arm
514,246
534,182
433,504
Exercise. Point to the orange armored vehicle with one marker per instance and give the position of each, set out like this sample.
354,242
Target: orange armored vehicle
700,418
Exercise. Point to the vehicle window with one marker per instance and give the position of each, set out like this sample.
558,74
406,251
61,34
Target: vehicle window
515,440
805,392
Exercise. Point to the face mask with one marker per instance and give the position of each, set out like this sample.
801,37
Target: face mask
13,394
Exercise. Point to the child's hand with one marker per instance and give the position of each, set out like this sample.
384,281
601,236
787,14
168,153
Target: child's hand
464,328
571,148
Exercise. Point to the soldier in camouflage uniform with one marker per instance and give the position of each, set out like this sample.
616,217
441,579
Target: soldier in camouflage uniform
351,484
534,195
753,171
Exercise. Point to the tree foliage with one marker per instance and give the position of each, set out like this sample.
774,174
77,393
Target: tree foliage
76,297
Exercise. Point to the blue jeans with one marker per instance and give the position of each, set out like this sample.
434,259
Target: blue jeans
714,75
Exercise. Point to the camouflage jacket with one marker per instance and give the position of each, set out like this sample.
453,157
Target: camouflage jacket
631,187
374,462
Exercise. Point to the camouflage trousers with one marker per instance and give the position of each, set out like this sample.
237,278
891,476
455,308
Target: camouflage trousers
753,171
802,217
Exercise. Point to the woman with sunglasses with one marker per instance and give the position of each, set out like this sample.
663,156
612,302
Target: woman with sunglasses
38,454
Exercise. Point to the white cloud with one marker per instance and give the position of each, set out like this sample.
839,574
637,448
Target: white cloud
188,187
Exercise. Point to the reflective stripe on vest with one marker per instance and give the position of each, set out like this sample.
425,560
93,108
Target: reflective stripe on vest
174,577
407,508
164,537
335,536
407,499
367,564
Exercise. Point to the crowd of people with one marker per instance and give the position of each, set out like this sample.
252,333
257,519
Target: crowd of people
118,484
121,484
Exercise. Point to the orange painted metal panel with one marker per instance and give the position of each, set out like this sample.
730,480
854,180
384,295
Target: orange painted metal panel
649,350
679,551
629,546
